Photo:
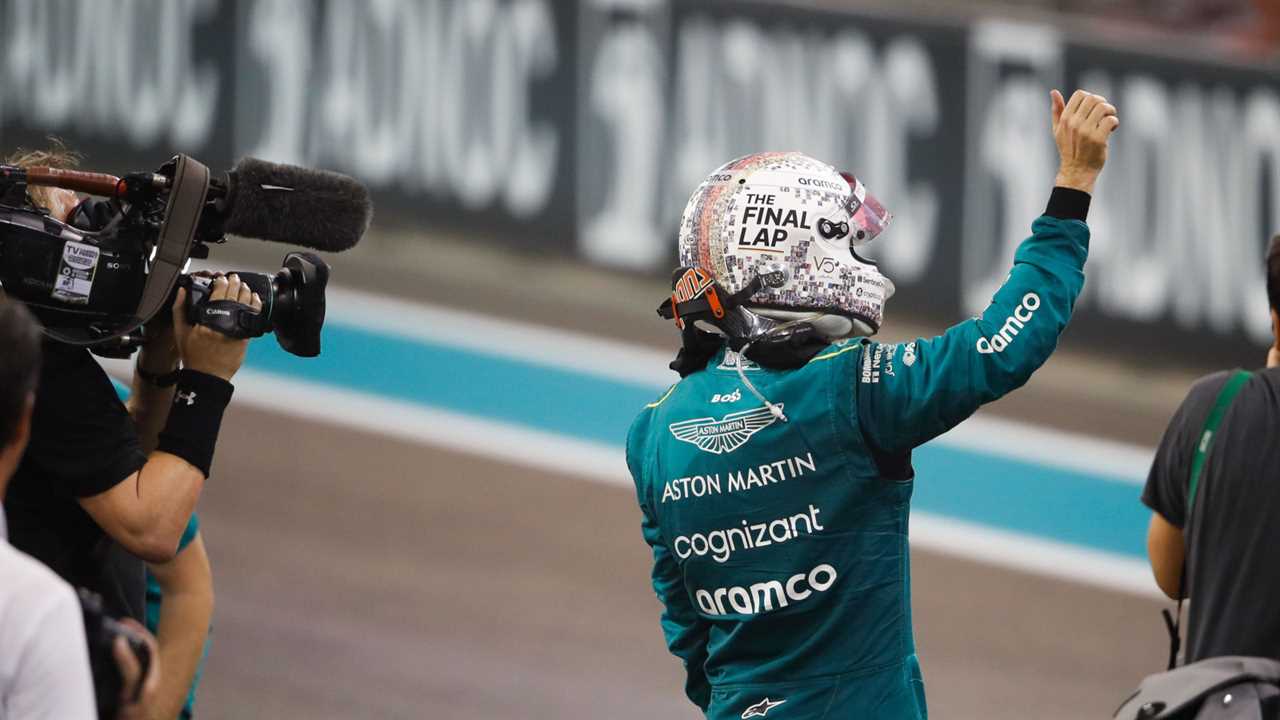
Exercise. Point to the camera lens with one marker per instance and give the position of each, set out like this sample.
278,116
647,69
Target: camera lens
298,312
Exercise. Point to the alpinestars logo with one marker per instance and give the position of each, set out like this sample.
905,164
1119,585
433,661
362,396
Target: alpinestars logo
726,434
761,708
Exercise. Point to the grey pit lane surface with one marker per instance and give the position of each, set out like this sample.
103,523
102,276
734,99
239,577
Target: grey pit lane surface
363,577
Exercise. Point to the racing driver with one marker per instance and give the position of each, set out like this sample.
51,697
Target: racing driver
775,476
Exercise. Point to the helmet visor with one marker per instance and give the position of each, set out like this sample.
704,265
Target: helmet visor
868,216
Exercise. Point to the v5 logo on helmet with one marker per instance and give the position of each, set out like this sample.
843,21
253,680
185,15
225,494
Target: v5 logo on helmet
827,265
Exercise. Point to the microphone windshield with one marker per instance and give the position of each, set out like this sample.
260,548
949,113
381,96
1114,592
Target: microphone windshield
318,209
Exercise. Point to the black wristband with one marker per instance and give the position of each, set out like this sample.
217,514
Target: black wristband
191,432
164,380
1068,204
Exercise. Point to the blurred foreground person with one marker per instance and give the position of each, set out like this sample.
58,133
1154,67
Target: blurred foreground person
775,477
44,661
1213,489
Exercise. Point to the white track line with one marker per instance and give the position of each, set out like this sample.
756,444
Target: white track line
1028,553
1118,461
503,441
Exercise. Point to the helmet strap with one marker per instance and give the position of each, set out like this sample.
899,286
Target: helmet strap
787,349
697,347
697,297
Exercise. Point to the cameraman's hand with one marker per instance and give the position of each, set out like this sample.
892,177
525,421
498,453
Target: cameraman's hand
1082,127
207,350
159,354
131,671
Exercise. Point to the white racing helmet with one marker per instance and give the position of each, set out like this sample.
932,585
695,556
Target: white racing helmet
787,225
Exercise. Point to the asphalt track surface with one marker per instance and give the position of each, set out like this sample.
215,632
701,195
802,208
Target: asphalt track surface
360,576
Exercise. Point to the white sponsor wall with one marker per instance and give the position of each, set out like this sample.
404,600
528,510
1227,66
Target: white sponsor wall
581,127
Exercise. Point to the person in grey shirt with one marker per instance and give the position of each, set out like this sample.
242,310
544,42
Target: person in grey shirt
1228,544
44,661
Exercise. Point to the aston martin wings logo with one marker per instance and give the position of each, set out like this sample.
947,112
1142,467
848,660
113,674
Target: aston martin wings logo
761,708
726,434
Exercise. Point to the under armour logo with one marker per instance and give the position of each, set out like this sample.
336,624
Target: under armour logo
190,397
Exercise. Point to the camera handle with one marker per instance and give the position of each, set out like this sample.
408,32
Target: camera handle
292,304
229,317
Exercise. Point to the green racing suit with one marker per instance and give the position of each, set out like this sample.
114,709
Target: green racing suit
780,545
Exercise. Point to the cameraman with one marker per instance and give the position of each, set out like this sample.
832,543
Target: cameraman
44,668
1213,493
87,499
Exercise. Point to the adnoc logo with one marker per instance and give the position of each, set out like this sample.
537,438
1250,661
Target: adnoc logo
1021,316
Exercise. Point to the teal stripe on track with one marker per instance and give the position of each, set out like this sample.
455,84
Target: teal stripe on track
1062,505
1040,500
490,386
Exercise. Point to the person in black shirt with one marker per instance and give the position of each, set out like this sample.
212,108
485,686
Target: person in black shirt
1229,541
101,486
83,444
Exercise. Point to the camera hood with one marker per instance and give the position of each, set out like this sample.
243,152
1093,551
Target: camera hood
90,287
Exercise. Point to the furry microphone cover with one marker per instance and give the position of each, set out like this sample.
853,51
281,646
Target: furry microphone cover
318,209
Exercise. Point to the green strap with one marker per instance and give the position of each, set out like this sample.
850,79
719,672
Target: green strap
1229,391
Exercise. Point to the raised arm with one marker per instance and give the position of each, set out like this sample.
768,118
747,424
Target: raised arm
908,394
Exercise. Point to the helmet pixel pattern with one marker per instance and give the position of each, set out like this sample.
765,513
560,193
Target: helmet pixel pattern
822,275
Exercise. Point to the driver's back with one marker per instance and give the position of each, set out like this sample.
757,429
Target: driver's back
787,540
